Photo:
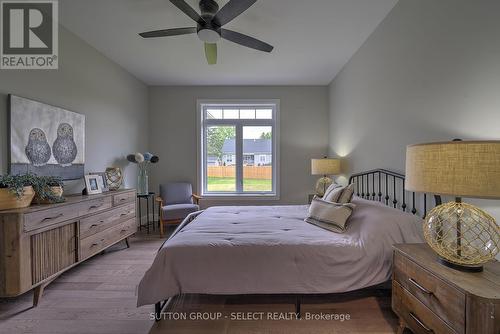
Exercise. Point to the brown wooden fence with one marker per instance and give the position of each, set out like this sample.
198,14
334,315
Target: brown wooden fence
249,172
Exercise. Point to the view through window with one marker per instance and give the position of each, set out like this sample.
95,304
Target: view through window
239,149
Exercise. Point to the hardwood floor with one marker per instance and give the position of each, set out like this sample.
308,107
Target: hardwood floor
99,296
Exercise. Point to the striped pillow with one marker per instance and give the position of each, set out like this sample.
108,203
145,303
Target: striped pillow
331,188
340,195
328,215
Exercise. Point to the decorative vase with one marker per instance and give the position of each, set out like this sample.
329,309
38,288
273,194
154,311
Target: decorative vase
9,201
114,176
142,181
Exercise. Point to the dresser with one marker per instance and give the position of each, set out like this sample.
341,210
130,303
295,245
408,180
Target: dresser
431,298
39,243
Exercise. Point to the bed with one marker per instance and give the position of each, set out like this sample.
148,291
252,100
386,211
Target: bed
271,250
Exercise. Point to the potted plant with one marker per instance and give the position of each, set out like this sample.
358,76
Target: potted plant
48,189
16,191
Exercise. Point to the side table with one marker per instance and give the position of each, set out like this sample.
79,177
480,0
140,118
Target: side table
150,210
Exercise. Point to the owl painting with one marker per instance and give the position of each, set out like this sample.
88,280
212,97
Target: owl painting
38,149
64,148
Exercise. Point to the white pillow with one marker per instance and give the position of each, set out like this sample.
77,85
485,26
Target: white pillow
340,195
330,188
328,215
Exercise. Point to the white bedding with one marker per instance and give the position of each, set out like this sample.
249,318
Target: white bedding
271,250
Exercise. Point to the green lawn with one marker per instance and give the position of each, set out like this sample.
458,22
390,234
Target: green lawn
222,184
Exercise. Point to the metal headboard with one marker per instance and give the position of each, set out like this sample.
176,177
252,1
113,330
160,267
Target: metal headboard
388,187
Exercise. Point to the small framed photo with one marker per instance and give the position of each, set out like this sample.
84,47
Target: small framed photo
103,182
93,184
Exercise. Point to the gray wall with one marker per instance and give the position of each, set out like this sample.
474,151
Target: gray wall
430,71
303,126
114,102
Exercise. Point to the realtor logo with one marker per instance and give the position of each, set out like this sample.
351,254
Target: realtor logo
29,34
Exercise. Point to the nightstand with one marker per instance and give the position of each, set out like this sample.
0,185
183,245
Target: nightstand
310,198
431,298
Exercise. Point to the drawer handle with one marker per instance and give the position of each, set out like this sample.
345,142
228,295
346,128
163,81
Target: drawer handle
94,244
123,214
93,225
421,324
55,217
421,288
125,230
95,207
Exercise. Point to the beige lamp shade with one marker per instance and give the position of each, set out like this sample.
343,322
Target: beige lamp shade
325,166
458,168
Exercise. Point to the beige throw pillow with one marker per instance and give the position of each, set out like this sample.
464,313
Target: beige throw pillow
328,215
331,188
340,195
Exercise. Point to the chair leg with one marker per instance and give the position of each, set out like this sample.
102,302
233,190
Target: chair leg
161,228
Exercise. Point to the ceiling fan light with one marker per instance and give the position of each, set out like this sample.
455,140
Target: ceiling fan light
208,35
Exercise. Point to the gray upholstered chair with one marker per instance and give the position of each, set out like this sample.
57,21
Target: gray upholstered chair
176,201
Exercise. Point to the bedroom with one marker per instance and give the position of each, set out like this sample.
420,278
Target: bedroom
356,81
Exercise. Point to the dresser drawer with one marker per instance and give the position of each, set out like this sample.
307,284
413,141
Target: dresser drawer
101,221
95,205
94,244
124,198
441,298
44,218
418,317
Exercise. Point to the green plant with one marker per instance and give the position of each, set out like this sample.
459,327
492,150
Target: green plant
41,185
43,188
16,183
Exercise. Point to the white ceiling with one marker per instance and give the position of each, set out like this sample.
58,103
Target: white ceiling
313,39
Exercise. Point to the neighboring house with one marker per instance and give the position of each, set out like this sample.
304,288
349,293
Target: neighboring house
256,152
212,161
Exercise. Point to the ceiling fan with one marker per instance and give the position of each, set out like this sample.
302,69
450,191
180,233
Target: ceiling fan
209,26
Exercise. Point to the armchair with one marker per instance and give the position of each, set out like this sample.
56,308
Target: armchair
176,202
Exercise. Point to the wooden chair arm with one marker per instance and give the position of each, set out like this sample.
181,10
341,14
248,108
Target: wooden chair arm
196,198
159,200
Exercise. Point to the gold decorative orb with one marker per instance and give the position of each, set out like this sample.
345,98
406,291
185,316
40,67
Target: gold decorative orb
322,184
462,234
114,176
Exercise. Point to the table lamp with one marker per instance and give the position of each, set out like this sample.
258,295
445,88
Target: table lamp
464,236
324,167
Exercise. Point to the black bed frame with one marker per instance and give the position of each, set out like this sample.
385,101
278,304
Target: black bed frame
379,185
388,187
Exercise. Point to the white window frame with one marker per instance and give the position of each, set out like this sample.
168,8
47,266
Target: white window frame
202,123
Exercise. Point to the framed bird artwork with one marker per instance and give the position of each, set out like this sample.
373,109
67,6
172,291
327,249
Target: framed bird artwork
45,140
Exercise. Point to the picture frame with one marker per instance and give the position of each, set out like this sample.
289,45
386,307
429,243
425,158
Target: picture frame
103,181
93,184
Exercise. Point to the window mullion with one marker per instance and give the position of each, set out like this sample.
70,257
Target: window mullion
239,158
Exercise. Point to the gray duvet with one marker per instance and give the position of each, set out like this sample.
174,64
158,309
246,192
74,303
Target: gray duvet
271,250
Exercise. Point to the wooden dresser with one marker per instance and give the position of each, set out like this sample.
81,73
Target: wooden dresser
39,243
431,298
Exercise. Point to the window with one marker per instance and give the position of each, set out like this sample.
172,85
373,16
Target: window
239,148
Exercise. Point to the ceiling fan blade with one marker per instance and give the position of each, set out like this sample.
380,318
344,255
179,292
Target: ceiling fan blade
211,53
188,10
231,10
168,32
245,40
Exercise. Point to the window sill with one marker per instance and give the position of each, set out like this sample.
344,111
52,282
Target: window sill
244,197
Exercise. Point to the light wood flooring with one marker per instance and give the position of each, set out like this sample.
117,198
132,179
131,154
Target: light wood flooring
99,296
